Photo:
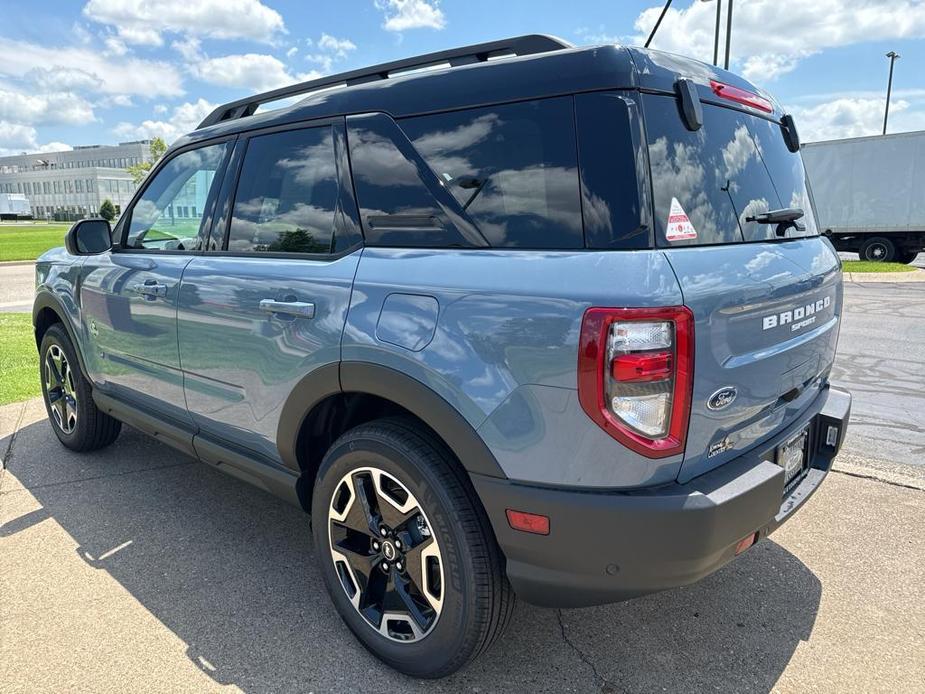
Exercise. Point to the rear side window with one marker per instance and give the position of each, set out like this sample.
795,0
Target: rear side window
287,194
512,168
732,168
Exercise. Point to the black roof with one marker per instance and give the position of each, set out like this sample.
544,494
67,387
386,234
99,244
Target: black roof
547,67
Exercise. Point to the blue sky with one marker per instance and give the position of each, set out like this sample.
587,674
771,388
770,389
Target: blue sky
102,71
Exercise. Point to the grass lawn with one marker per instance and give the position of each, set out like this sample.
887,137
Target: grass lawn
29,241
874,266
19,373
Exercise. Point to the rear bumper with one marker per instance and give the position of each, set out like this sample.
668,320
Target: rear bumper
610,546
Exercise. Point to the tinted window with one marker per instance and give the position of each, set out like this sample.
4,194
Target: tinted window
611,152
287,194
513,168
787,175
170,213
401,201
718,176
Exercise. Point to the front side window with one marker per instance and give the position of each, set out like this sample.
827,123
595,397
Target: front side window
513,168
188,178
287,194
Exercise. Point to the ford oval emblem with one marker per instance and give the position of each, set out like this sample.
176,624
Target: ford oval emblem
722,398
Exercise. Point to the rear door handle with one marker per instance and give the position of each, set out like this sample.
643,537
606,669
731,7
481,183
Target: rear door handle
302,309
150,288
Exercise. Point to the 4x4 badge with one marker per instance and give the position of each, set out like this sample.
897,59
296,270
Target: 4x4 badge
722,398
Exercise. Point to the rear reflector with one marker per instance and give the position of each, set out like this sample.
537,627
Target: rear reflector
746,542
741,96
528,522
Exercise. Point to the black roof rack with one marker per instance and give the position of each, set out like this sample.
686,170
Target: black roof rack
480,52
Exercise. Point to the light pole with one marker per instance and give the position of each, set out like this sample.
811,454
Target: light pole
719,12
728,34
892,55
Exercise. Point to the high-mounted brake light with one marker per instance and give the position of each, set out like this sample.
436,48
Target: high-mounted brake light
741,96
635,371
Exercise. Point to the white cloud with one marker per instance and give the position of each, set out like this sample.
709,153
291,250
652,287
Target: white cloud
147,78
16,139
252,71
854,117
770,38
143,22
770,66
292,51
181,121
60,108
70,79
339,47
189,48
401,15
115,46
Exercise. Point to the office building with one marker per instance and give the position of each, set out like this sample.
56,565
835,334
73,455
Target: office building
73,184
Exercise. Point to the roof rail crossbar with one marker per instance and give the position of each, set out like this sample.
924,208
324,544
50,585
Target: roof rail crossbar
466,55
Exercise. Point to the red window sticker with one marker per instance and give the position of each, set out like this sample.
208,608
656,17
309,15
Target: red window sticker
679,226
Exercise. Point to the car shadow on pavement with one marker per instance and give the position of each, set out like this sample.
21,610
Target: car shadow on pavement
231,571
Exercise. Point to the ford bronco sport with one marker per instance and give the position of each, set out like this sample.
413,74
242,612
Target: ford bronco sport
516,318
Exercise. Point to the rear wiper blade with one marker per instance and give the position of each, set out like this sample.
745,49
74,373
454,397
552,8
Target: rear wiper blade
784,219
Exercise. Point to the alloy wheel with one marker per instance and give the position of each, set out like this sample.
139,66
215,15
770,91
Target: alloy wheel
385,554
60,389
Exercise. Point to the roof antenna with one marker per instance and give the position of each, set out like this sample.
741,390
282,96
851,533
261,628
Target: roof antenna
660,18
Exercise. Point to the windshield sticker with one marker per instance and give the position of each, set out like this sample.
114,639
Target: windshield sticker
679,226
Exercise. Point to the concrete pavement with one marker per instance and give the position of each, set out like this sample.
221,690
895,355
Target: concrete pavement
136,569
881,360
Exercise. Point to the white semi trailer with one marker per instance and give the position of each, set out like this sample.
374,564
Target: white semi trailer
14,206
869,194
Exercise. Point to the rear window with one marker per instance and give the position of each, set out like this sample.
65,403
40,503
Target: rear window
708,183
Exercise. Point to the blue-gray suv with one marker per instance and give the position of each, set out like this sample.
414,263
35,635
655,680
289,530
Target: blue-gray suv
516,318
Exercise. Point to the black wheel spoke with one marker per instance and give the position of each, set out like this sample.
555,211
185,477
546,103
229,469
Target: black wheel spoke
391,516
414,564
403,589
367,503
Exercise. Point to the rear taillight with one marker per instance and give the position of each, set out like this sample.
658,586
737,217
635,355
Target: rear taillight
741,96
635,371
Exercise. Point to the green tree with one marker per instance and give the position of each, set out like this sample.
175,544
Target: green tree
139,171
108,210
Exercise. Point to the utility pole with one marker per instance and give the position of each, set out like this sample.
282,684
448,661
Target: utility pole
719,12
892,55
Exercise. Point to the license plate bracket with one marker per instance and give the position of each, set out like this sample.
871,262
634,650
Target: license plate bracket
792,456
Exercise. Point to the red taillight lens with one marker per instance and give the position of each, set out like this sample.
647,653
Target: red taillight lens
641,366
528,522
741,96
635,371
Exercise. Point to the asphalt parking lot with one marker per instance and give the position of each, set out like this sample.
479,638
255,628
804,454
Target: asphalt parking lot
137,569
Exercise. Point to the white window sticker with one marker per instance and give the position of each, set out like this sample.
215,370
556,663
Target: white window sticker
679,226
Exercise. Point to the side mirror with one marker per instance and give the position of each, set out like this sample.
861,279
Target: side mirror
88,237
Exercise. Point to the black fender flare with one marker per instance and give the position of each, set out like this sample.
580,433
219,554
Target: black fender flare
389,384
45,299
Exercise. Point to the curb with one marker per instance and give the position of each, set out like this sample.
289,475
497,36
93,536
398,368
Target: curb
14,263
911,276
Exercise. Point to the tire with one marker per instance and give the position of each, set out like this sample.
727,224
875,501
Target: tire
906,257
878,249
74,417
442,537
